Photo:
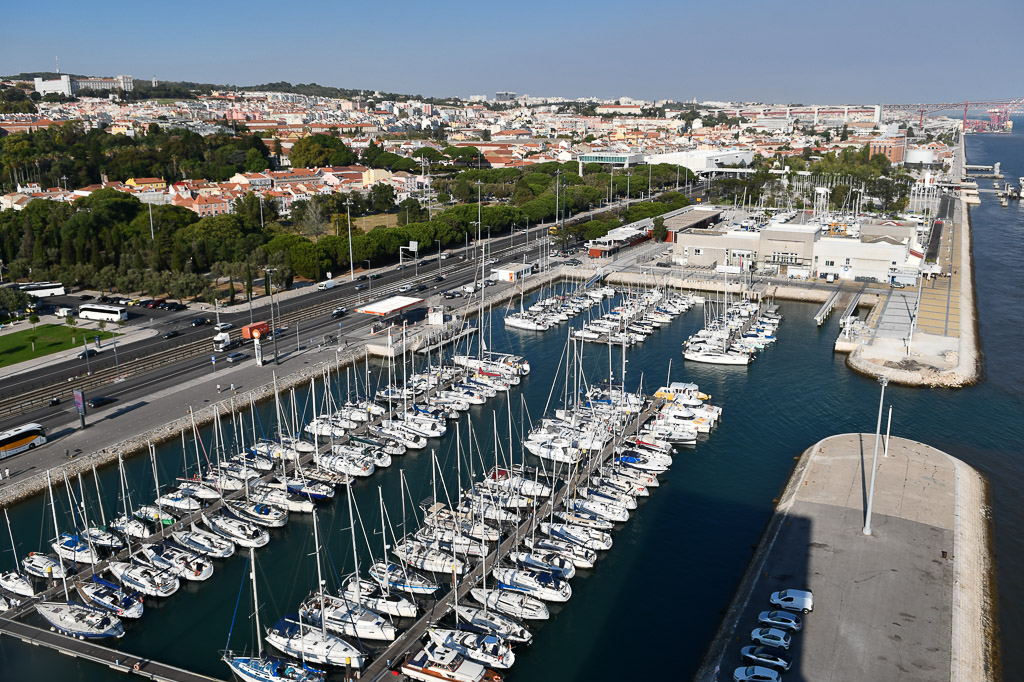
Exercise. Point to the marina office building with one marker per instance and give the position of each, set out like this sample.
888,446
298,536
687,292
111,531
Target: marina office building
878,252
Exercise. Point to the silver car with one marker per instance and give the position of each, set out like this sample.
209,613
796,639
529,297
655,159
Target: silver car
755,673
783,620
771,637
765,656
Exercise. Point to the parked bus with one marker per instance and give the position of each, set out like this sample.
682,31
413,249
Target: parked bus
43,289
106,313
21,438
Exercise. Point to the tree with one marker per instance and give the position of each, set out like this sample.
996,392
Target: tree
73,323
382,198
660,232
231,291
34,320
314,221
254,162
248,282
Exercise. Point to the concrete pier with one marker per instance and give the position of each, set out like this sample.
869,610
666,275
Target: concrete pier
912,601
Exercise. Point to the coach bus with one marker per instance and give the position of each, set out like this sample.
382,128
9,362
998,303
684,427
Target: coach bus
20,439
106,313
43,289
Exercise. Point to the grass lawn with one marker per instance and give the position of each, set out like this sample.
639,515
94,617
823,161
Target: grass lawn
15,346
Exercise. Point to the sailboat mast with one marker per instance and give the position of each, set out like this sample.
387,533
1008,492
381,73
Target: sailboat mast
255,602
355,552
10,533
99,498
319,577
53,509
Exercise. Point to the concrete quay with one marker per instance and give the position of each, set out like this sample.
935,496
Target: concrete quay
912,601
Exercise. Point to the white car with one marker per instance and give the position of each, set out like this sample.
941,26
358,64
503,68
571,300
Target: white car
755,673
223,326
405,287
793,600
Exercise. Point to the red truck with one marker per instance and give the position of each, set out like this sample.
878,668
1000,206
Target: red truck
248,329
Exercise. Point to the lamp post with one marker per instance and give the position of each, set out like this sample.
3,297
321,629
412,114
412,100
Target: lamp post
368,268
273,327
348,216
261,212
874,459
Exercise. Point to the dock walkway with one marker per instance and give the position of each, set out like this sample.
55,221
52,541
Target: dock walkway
396,652
97,653
912,601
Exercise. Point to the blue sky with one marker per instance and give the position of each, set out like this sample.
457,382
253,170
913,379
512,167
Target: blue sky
867,51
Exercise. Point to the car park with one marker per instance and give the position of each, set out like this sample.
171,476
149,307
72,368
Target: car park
223,326
88,353
236,357
99,401
755,673
766,656
784,620
339,312
171,334
793,600
771,637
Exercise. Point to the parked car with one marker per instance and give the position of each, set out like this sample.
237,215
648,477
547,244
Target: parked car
793,600
104,299
771,637
755,673
765,655
85,297
237,357
339,312
897,285
784,620
124,301
223,326
88,353
171,334
99,401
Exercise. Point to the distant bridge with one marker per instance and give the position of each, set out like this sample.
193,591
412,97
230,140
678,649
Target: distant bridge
1002,106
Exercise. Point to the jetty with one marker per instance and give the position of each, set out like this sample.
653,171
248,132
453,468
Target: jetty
911,601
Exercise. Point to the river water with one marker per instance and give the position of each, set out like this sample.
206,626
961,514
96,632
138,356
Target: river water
651,605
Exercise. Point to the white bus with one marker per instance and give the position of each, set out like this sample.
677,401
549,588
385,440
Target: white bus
43,289
106,313
21,438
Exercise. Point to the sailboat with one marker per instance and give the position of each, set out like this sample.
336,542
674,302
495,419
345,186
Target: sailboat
261,667
106,595
204,542
292,636
485,649
144,579
14,581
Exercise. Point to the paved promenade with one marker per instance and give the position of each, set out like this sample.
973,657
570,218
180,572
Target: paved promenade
910,602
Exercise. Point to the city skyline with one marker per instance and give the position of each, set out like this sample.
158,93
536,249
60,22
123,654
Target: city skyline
800,52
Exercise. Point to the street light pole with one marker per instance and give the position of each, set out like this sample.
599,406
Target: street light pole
351,263
874,459
273,327
368,268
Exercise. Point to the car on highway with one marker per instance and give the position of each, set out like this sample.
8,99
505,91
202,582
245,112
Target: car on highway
88,353
438,278
755,673
492,261
405,287
376,275
236,357
489,282
897,285
445,256
200,321
767,656
54,401
421,287
339,312
771,637
784,620
362,278
85,297
99,401
360,287
452,294
793,600
223,326
171,334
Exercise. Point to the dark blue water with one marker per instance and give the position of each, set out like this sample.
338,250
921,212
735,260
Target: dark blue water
652,604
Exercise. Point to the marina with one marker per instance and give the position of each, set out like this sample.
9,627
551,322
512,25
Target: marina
747,500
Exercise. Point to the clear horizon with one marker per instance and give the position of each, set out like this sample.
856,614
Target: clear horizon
799,51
